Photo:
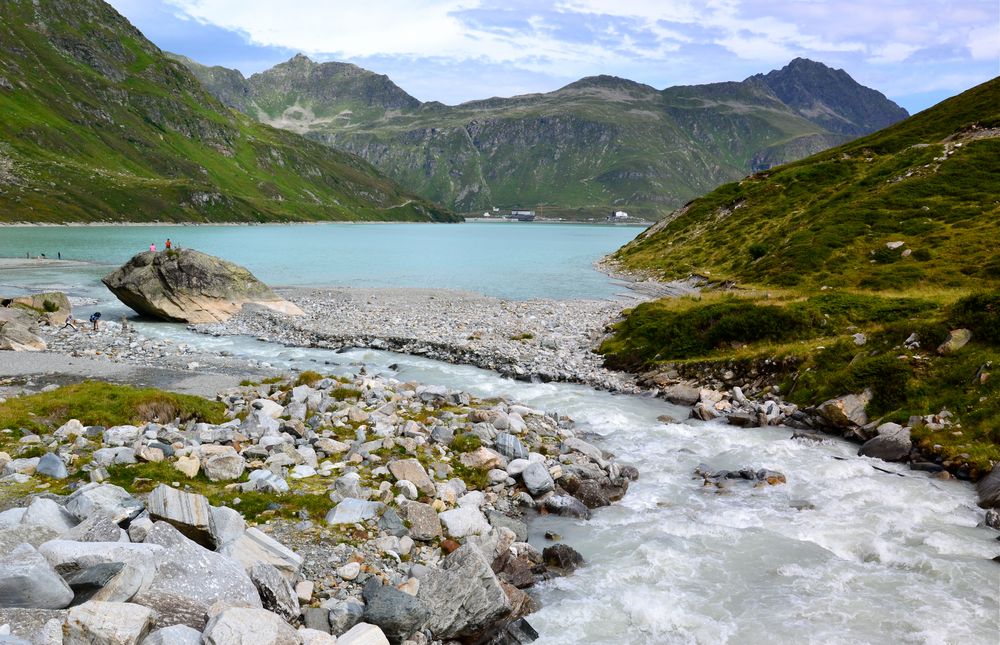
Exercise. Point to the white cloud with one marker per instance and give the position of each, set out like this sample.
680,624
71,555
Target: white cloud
655,41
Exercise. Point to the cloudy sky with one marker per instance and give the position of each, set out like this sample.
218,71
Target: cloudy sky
917,52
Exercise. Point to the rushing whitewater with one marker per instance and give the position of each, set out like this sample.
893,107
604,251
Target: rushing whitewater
842,553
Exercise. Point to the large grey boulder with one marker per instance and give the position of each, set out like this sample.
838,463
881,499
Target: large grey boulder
44,512
189,286
25,534
189,513
139,562
107,623
276,592
344,614
108,499
464,596
396,613
537,479
19,331
28,580
891,444
254,546
96,528
190,579
846,411
107,582
243,626
989,489
229,524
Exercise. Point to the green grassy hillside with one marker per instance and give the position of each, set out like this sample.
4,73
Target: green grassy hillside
847,271
599,143
98,125
929,182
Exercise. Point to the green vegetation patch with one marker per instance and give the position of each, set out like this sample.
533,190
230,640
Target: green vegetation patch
819,332
104,404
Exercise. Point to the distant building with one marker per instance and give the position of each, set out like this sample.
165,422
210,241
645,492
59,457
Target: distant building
618,216
522,215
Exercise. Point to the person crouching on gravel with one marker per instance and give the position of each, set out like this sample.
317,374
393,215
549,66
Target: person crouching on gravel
95,319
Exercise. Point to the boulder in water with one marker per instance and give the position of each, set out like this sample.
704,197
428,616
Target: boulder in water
190,286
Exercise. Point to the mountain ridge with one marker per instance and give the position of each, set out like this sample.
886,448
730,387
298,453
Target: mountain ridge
100,126
600,142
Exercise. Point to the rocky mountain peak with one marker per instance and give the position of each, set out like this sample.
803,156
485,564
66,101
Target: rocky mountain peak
830,97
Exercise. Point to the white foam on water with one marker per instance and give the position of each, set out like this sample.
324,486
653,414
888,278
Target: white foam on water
871,557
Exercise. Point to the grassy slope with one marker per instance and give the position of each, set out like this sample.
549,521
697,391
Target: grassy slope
825,220
99,126
806,244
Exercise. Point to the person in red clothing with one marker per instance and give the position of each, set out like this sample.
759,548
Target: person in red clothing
167,244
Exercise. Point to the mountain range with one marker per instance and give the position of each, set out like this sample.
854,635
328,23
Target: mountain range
598,143
99,125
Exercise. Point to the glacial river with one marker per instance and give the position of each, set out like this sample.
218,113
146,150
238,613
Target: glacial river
843,553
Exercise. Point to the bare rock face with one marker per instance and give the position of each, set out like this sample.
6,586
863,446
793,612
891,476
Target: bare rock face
189,286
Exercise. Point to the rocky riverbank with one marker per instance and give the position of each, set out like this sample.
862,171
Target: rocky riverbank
544,340
375,502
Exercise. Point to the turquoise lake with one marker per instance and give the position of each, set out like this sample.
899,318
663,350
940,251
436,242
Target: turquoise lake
507,260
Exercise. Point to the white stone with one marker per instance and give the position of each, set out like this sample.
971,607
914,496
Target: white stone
363,634
349,571
462,522
107,623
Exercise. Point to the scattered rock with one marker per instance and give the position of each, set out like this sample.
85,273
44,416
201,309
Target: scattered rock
244,625
107,623
28,580
188,513
957,339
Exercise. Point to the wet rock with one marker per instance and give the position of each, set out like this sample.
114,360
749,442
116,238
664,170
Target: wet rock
107,623
591,494
500,520
464,597
562,557
680,394
743,420
988,489
276,593
567,506
397,614
28,580
189,513
519,632
244,625
891,444
992,519
190,578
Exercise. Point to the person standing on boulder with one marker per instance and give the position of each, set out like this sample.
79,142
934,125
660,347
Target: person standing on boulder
167,245
152,247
